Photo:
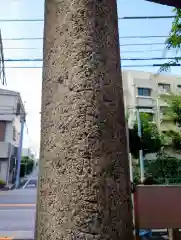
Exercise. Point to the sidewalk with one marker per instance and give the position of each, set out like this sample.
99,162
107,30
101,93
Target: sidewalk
15,235
23,180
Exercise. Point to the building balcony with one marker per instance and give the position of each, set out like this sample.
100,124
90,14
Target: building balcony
145,101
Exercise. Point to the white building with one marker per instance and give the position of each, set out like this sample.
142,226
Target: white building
142,90
11,113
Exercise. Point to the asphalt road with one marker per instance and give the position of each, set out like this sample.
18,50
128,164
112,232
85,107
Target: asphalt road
18,209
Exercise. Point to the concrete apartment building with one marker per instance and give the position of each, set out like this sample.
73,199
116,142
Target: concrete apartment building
142,90
12,112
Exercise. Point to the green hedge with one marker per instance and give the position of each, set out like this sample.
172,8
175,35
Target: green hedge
26,167
165,169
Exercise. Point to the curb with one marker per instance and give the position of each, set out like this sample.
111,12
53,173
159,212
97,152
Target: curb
17,235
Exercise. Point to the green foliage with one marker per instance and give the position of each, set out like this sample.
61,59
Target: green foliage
173,42
136,172
22,170
176,141
134,142
27,165
173,111
30,166
164,169
25,159
2,182
150,142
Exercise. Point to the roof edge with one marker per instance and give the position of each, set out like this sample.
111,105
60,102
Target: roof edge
171,3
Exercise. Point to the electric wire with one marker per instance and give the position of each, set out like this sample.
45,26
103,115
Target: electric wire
123,59
124,51
146,17
123,66
121,37
120,18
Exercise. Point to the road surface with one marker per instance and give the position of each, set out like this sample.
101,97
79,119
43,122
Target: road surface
18,209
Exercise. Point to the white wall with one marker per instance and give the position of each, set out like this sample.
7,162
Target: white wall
8,107
17,124
134,79
8,132
8,104
3,170
147,80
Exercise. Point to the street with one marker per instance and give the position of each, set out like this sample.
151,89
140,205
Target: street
17,210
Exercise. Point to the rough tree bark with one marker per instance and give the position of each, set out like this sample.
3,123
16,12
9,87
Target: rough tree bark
84,190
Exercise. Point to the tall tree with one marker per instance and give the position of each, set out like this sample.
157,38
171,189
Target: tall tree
173,110
150,142
173,42
173,114
84,188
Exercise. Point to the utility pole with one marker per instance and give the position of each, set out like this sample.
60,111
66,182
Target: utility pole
2,66
19,154
84,183
141,150
141,159
158,114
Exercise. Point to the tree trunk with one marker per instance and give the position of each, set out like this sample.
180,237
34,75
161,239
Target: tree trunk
84,190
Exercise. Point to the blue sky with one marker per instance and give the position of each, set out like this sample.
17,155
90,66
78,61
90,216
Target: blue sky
28,81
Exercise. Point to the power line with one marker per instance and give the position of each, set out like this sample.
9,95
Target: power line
126,51
22,20
146,50
25,67
124,59
24,60
154,36
19,39
151,65
141,44
2,66
147,59
147,17
123,66
120,18
11,48
121,37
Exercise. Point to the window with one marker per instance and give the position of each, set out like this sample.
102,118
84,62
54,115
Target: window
2,130
179,87
144,92
164,87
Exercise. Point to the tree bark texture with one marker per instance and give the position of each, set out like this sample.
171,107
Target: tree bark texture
84,190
